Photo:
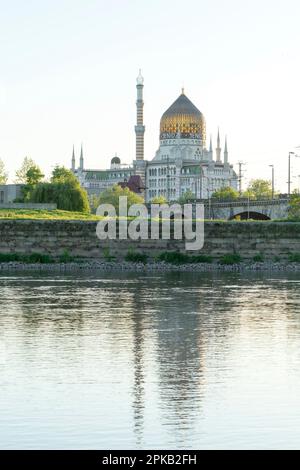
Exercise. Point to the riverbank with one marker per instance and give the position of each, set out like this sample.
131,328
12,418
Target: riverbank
107,266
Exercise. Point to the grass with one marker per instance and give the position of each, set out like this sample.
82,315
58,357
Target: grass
14,214
176,257
22,258
134,257
258,258
294,258
229,259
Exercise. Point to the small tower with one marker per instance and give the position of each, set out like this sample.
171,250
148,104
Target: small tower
73,160
139,128
210,149
218,149
81,164
226,152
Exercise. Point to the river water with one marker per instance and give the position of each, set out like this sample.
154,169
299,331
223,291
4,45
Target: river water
128,361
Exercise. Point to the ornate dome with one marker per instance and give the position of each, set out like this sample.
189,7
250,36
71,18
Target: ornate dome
115,161
183,118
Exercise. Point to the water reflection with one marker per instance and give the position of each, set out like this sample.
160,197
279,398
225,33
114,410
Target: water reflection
140,361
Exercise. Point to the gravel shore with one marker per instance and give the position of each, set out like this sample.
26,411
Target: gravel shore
151,267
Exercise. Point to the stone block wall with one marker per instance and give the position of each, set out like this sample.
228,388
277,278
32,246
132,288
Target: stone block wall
78,238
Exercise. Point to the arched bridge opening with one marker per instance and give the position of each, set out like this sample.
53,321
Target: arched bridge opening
250,216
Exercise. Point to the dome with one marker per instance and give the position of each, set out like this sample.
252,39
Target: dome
184,119
115,161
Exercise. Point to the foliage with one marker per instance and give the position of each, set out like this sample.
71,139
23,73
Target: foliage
232,258
175,257
186,197
65,257
159,200
226,194
259,189
294,258
22,258
107,255
68,195
259,258
112,195
3,173
21,174
294,207
34,175
61,174
136,257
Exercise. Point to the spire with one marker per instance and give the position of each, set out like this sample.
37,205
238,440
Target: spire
218,149
73,160
225,151
81,159
140,78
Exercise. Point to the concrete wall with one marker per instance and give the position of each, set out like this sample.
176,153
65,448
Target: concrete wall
9,192
79,239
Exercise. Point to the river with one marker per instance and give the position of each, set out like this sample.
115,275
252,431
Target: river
129,361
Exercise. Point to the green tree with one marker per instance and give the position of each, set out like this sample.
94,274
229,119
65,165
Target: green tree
112,195
3,173
34,175
259,189
61,174
68,196
186,197
159,200
294,206
21,174
226,193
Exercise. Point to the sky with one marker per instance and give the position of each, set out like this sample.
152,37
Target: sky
68,73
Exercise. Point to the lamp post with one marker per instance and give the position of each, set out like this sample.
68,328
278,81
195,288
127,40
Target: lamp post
289,180
273,180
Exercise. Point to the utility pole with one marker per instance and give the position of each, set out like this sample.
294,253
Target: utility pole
273,180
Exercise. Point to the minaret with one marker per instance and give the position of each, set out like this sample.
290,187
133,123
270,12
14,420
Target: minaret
73,160
81,165
226,152
218,149
210,149
139,128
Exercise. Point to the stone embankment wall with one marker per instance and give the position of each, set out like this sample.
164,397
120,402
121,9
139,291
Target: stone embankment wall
78,238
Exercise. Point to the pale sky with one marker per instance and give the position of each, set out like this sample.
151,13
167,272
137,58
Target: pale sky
68,71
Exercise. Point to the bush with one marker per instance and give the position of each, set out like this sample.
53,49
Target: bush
258,258
65,257
107,255
67,195
233,258
31,258
136,257
294,258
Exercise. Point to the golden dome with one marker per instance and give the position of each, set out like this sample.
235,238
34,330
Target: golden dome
183,118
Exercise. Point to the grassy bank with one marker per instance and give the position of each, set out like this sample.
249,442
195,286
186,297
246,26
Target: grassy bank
15,214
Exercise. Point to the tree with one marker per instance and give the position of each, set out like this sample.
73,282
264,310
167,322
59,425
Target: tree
3,173
294,206
226,193
21,174
34,175
61,174
258,189
112,195
186,197
68,196
159,200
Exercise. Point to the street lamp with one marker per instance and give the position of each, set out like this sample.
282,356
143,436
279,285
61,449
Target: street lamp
273,180
289,180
